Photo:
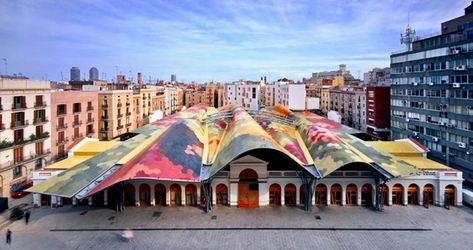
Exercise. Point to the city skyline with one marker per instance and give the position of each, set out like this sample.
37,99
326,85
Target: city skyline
214,41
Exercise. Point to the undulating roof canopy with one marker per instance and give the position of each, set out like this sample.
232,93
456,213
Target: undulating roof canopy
195,144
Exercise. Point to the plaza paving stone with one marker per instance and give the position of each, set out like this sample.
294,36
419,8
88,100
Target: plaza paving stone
447,229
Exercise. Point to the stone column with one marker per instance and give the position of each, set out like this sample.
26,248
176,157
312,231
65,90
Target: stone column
198,195
168,196
298,195
233,194
137,195
421,197
152,197
390,196
37,200
328,196
89,201
183,195
74,201
344,196
105,197
53,201
358,196
283,202
263,194
404,196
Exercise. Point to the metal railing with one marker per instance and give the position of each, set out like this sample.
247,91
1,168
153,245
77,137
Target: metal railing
40,104
19,124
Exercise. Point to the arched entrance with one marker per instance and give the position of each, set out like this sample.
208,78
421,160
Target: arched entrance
397,194
449,195
302,195
160,194
222,194
129,194
191,195
385,192
428,195
336,194
175,195
290,195
366,195
275,194
321,194
351,194
145,195
248,191
45,200
413,194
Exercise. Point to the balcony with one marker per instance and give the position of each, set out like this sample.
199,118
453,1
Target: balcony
103,130
62,141
90,120
18,106
38,105
119,115
128,124
38,121
76,112
19,124
77,123
104,105
24,160
90,132
61,127
61,114
119,126
75,137
128,113
127,103
4,145
105,117
90,108
119,105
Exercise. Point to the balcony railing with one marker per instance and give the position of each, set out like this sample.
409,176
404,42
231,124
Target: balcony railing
105,117
90,120
75,137
119,105
19,124
127,103
40,104
61,126
76,112
32,138
62,141
90,132
24,160
119,115
128,124
39,121
128,113
119,126
104,130
61,114
18,106
77,123
90,108
104,105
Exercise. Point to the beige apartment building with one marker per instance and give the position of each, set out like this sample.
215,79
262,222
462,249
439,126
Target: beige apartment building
116,113
24,129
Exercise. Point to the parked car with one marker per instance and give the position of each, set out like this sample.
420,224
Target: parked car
18,190
16,213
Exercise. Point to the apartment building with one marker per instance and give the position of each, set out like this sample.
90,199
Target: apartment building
432,92
342,101
360,109
116,114
24,129
245,94
378,112
197,95
75,116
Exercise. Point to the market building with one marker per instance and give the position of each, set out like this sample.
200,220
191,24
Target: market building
205,156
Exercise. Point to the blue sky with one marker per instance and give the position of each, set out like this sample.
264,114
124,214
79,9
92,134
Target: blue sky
209,40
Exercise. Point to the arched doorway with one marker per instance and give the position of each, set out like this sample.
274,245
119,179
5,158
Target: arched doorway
413,194
97,199
45,200
336,194
160,194
351,194
275,194
191,195
302,195
366,195
449,195
248,191
290,195
321,194
175,195
397,194
385,192
129,194
428,195
222,194
145,195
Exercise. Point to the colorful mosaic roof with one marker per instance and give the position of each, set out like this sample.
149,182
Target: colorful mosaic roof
195,144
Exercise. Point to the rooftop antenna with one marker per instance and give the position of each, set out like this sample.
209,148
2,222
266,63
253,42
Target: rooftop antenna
62,77
6,65
409,36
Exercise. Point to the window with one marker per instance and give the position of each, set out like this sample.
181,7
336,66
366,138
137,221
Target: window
19,102
61,109
38,163
76,108
39,148
39,130
18,154
18,135
76,133
17,172
39,101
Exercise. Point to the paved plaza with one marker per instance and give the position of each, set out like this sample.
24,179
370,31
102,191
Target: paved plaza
334,227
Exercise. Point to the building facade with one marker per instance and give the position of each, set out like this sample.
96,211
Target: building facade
75,74
115,113
432,93
25,127
75,116
378,112
93,74
378,77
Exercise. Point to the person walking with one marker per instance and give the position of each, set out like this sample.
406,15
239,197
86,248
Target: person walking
27,216
8,236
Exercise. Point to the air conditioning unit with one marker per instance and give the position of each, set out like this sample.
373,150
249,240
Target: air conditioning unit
415,83
407,119
442,123
462,145
460,68
456,85
416,133
469,107
431,83
455,51
435,139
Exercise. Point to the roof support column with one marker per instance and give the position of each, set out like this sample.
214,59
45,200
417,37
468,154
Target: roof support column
207,188
379,193
309,182
358,195
137,195
105,197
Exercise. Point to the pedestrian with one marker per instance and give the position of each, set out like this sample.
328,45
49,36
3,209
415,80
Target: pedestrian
8,236
27,216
